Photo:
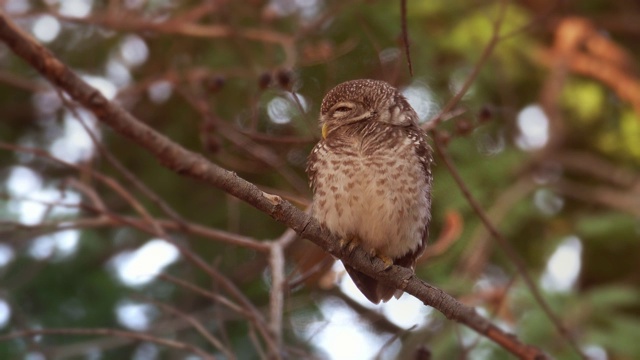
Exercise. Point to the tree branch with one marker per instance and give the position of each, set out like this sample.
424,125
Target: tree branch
111,332
182,161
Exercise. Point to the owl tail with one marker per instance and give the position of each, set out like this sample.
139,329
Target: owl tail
372,288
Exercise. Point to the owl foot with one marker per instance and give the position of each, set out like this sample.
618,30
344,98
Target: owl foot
349,243
388,262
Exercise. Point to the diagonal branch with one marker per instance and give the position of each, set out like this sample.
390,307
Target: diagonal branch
187,163
110,332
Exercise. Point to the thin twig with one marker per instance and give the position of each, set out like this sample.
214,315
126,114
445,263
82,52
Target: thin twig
213,31
519,263
196,324
187,253
110,332
276,298
245,143
477,249
405,34
278,282
506,246
188,227
393,338
129,176
208,294
486,53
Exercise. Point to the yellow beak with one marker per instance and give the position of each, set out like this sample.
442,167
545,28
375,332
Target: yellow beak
324,131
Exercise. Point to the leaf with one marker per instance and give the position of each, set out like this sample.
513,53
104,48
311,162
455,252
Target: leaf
608,299
608,224
586,99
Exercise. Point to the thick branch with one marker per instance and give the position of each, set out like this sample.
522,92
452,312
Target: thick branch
187,163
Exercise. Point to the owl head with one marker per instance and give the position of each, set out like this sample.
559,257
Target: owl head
364,100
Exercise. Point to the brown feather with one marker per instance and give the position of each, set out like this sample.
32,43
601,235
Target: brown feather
371,288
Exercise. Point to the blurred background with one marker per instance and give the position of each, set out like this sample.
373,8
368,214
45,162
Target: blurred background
547,138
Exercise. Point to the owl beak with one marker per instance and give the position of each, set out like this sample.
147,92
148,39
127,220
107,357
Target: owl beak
324,131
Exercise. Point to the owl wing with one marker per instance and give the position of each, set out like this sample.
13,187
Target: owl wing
423,153
371,288
312,160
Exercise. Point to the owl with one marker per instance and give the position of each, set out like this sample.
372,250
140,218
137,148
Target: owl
371,177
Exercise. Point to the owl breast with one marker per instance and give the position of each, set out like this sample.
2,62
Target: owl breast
377,198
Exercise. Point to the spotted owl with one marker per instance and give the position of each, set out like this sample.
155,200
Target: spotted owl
371,178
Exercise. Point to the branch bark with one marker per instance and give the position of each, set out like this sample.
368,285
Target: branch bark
187,163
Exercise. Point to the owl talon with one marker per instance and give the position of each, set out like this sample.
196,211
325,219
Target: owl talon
349,243
388,262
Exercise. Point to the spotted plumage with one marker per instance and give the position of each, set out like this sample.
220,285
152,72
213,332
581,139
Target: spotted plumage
371,176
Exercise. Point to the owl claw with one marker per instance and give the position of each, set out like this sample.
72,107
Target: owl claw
348,243
351,243
388,262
